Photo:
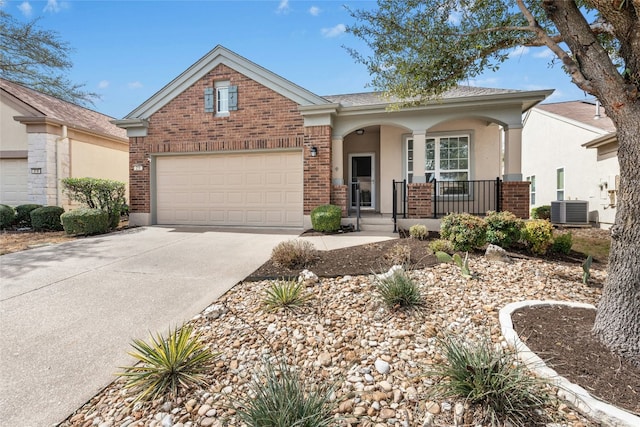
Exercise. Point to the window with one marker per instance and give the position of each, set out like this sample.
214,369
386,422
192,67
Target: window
447,159
560,184
410,160
532,189
226,98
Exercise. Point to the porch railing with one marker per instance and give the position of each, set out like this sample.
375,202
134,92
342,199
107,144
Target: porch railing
355,199
473,197
399,201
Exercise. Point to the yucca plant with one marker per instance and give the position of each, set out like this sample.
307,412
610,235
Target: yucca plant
493,378
287,294
399,290
280,398
165,365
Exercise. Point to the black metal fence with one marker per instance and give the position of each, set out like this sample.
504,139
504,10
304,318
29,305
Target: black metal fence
399,202
473,197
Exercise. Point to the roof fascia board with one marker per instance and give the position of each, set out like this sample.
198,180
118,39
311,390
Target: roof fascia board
602,140
41,120
221,55
135,127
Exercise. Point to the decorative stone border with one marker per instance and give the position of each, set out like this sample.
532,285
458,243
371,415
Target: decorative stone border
575,395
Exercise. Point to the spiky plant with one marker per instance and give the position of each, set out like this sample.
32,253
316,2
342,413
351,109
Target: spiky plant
288,294
280,398
399,290
166,364
492,378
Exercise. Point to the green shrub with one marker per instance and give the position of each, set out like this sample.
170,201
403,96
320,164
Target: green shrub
419,231
7,216
23,214
180,361
399,291
94,193
85,221
503,228
541,212
493,378
326,218
293,253
441,245
538,235
279,397
562,243
464,231
47,218
287,294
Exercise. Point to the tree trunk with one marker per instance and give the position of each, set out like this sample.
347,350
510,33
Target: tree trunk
618,318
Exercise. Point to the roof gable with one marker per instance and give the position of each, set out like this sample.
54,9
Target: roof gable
221,55
584,112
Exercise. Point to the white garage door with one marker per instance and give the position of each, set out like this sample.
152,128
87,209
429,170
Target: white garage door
13,182
256,189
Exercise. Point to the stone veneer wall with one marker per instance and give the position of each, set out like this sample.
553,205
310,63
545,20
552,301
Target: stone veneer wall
45,153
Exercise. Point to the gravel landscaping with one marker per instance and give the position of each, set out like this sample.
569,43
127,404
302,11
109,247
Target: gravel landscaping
375,357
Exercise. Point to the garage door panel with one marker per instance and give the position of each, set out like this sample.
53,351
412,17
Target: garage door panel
255,189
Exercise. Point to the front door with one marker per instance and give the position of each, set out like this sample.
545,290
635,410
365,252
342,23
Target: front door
362,172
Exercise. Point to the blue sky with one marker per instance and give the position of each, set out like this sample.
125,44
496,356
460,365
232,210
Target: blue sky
127,50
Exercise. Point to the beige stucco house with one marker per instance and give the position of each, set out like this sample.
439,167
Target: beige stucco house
44,139
569,152
228,142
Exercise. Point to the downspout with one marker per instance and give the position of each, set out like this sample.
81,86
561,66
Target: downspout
59,164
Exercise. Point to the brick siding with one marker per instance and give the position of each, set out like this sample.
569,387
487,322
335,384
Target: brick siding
419,200
515,198
264,120
339,198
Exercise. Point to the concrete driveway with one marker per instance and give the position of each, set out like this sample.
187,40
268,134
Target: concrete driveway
68,312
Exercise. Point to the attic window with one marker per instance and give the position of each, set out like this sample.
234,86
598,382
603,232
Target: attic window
226,98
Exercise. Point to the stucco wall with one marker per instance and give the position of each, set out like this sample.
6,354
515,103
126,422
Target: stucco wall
550,143
391,147
110,161
13,135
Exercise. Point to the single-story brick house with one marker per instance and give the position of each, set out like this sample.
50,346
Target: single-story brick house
228,142
44,139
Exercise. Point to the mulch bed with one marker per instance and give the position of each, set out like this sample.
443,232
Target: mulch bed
562,337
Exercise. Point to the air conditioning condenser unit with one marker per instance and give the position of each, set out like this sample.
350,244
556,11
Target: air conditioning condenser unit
570,212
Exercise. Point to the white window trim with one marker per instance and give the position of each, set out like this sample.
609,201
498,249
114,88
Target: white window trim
564,180
532,189
222,87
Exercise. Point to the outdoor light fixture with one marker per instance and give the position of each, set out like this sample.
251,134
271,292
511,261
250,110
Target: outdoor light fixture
359,131
314,151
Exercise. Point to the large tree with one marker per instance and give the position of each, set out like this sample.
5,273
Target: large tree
421,48
38,59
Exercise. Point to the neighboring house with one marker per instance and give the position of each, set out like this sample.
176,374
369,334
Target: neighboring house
44,139
228,142
569,152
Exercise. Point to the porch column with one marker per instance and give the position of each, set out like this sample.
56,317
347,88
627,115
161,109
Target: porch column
337,160
513,153
419,155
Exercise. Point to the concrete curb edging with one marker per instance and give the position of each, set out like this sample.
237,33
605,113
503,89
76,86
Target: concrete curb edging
575,395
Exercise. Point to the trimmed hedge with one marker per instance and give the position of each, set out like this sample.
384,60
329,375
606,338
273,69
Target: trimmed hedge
97,193
47,218
503,228
538,235
85,221
23,214
326,218
7,216
541,212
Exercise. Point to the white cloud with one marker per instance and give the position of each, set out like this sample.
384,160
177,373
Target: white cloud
283,7
518,51
486,82
54,7
314,10
103,84
333,31
135,85
544,53
25,8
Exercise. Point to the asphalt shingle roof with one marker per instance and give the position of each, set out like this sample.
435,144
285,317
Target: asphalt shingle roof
70,114
581,111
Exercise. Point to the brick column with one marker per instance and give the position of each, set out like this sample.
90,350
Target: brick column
419,200
139,182
339,198
317,170
515,198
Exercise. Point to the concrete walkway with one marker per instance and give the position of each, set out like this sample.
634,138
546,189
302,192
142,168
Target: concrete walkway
68,312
